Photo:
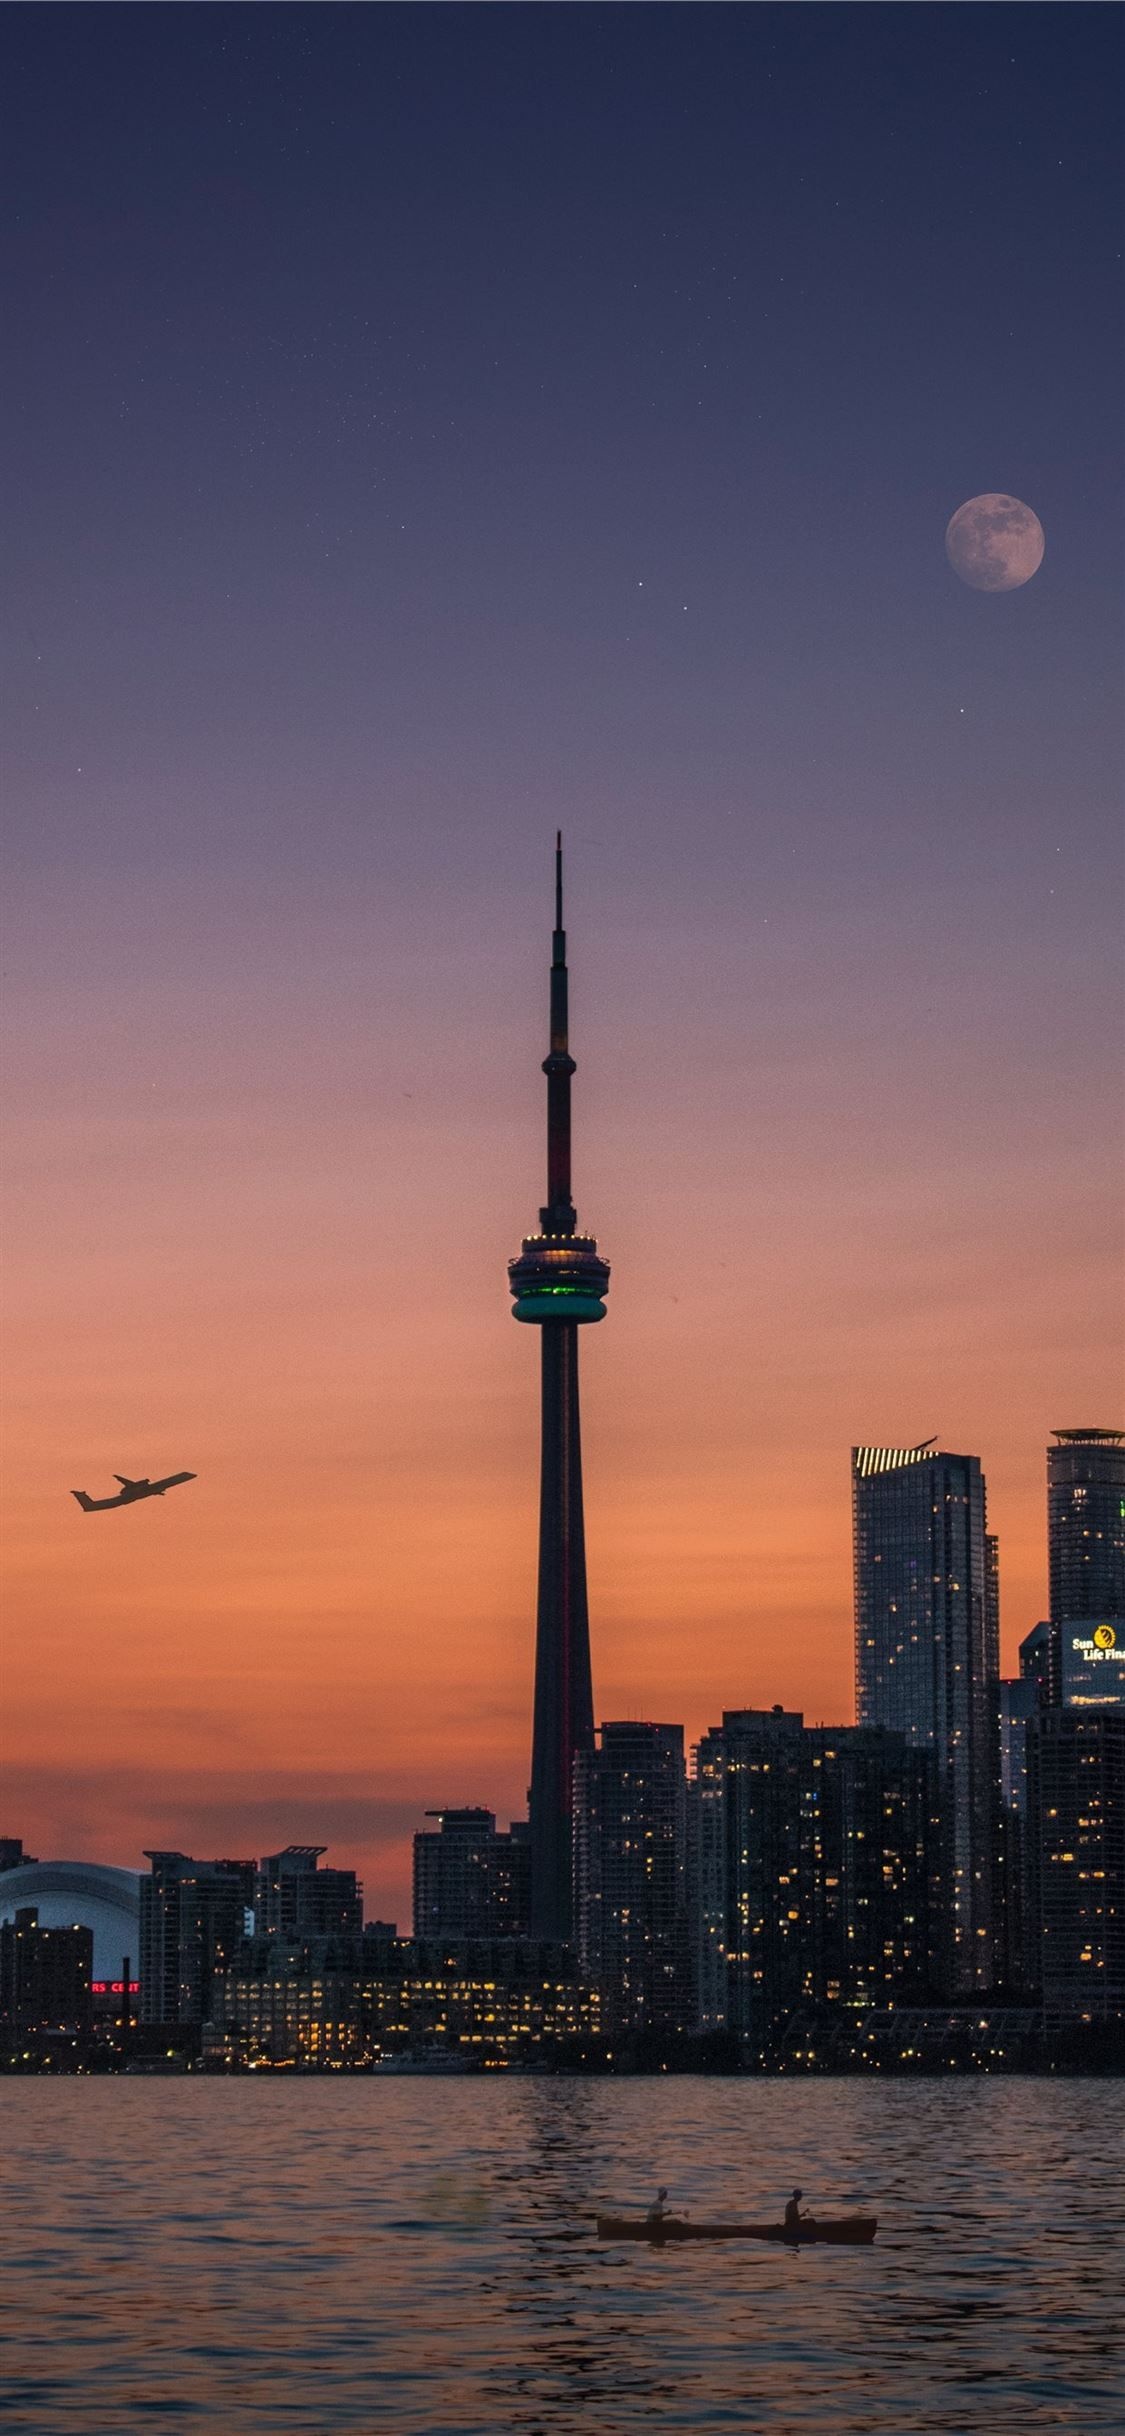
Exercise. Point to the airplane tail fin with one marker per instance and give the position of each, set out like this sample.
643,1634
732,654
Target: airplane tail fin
86,1502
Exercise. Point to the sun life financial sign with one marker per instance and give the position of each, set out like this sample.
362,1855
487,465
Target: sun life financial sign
1093,1665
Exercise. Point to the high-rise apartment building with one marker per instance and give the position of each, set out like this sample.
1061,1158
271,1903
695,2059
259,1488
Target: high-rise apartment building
992,1592
1086,1526
630,1884
871,1860
1037,1662
817,1858
1019,1701
45,1975
1016,1954
558,1285
928,1662
194,1916
1076,1862
750,1776
471,1879
295,1897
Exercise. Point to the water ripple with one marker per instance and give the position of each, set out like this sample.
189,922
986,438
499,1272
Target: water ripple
251,2258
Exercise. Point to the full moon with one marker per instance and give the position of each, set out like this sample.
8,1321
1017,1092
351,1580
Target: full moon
994,542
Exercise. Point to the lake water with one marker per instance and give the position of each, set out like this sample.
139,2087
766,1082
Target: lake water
418,2256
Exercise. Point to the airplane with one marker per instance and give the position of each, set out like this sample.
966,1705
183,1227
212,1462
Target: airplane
130,1491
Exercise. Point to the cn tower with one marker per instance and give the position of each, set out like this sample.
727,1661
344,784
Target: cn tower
558,1284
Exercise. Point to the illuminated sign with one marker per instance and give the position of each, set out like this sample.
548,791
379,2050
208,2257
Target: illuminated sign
114,1987
1093,1665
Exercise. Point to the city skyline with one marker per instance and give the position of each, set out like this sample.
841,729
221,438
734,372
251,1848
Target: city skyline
776,1887
389,1888
871,1707
585,466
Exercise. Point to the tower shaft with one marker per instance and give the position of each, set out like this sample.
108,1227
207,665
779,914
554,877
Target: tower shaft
564,1700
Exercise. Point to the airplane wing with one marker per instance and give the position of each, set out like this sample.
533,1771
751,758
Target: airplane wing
130,1491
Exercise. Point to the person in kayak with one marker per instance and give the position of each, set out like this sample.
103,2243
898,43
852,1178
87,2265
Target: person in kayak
658,2211
793,2219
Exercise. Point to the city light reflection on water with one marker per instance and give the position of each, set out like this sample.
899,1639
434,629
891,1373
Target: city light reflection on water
419,2256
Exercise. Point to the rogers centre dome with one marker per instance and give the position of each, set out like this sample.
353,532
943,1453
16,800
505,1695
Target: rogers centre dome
81,1894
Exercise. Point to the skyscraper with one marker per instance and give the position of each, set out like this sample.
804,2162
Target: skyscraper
630,1886
470,1880
1037,1664
1076,1862
815,1857
558,1284
1015,1949
45,1975
194,1916
871,1852
1086,1524
927,1661
294,1897
750,1774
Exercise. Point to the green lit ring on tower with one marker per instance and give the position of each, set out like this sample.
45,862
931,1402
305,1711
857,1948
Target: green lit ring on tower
559,1303
558,1277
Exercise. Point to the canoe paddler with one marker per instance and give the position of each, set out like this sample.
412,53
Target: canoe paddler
793,2219
658,2211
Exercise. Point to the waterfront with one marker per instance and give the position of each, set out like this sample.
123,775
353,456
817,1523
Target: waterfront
267,2255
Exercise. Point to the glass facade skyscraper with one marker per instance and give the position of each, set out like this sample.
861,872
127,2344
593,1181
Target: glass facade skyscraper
928,1662
1086,1526
1086,1555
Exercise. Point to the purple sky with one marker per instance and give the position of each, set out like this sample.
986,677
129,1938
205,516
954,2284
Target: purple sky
425,426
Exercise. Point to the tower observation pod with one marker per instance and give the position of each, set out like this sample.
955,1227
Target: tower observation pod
558,1285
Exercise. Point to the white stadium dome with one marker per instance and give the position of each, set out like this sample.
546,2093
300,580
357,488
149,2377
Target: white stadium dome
81,1894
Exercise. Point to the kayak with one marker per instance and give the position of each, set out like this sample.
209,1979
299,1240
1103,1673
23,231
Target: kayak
679,2228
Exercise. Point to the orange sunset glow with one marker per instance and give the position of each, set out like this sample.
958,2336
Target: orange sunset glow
266,1240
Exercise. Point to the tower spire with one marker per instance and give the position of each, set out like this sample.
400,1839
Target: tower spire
558,1217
